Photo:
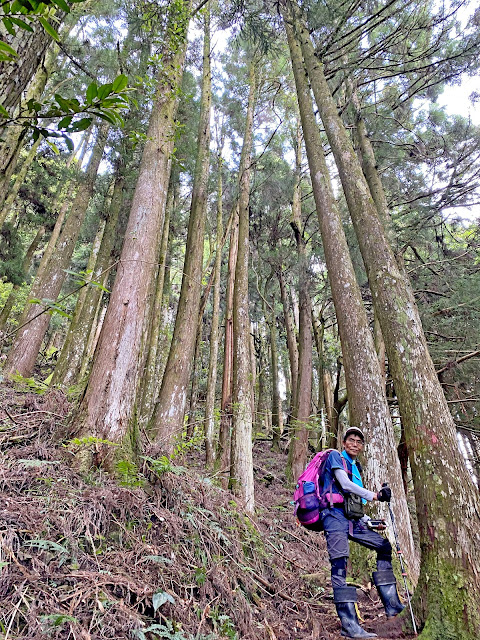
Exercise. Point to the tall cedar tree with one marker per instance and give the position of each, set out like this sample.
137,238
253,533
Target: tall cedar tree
367,401
170,409
448,591
107,409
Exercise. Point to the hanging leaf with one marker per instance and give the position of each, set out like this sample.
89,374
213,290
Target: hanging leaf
81,125
64,122
104,90
62,4
92,91
54,147
119,83
9,26
49,29
7,48
22,24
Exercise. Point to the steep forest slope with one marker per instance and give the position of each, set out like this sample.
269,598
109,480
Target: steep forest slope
165,553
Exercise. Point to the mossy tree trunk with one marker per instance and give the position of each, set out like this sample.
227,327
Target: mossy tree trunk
448,590
170,409
368,407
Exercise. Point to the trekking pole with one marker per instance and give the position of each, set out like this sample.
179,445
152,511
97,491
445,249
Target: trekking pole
400,557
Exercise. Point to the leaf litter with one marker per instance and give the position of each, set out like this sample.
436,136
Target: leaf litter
170,556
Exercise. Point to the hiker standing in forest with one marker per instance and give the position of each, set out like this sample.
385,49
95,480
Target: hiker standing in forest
344,519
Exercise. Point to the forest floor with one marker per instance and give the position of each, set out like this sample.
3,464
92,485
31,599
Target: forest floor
162,553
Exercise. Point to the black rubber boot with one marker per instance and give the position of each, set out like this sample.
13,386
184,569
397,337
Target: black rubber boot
387,589
345,599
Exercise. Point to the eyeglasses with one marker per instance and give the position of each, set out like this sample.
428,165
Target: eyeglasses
358,441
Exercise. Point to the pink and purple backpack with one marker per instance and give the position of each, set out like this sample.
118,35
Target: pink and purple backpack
308,498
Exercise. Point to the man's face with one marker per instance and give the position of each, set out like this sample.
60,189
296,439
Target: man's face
353,445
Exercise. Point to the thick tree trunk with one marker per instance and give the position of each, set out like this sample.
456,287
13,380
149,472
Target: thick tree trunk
448,590
107,409
214,332
242,461
16,75
223,460
368,406
169,411
49,282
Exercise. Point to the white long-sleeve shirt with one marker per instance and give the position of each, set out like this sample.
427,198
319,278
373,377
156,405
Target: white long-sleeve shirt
347,485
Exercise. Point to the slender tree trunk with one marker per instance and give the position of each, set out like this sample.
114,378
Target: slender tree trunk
192,407
150,383
298,451
67,371
225,434
214,333
366,393
70,356
318,333
107,409
292,345
169,411
48,283
242,461
27,260
277,418
332,423
93,338
446,606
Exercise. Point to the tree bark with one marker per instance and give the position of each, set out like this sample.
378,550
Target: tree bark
48,283
14,139
214,332
81,329
150,383
225,435
292,345
107,409
169,411
242,461
368,405
298,450
449,588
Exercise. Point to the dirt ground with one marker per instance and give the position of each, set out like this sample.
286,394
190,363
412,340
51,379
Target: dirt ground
165,553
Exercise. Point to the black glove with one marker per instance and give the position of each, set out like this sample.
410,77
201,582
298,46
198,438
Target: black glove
384,495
